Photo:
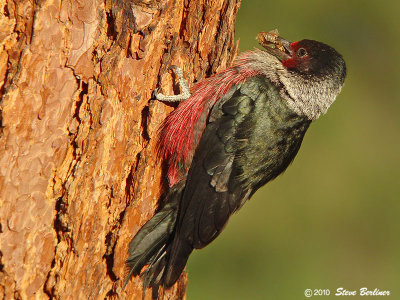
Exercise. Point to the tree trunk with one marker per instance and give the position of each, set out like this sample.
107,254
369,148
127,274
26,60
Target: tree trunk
78,170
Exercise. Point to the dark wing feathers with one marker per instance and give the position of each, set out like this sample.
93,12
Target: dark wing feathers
211,172
208,202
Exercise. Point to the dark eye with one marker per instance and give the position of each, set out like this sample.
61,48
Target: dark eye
302,52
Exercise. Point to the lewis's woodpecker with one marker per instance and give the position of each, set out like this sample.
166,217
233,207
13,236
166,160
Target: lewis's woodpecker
238,129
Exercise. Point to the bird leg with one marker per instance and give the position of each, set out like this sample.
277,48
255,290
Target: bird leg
185,91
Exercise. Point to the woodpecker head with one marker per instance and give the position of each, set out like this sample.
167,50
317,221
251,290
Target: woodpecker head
311,74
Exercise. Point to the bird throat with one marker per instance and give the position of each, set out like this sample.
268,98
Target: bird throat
306,96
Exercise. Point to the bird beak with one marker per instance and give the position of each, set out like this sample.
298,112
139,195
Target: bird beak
275,45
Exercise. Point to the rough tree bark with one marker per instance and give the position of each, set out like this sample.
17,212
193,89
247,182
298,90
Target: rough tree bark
78,171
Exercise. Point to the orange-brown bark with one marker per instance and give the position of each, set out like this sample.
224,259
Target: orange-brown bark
78,170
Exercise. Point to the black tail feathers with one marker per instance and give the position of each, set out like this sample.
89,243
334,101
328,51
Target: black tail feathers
148,247
152,246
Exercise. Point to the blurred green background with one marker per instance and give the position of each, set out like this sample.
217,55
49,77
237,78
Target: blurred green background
333,219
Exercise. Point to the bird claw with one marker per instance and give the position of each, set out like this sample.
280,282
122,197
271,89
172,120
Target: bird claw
156,93
185,91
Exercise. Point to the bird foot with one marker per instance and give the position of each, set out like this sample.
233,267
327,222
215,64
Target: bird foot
185,91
